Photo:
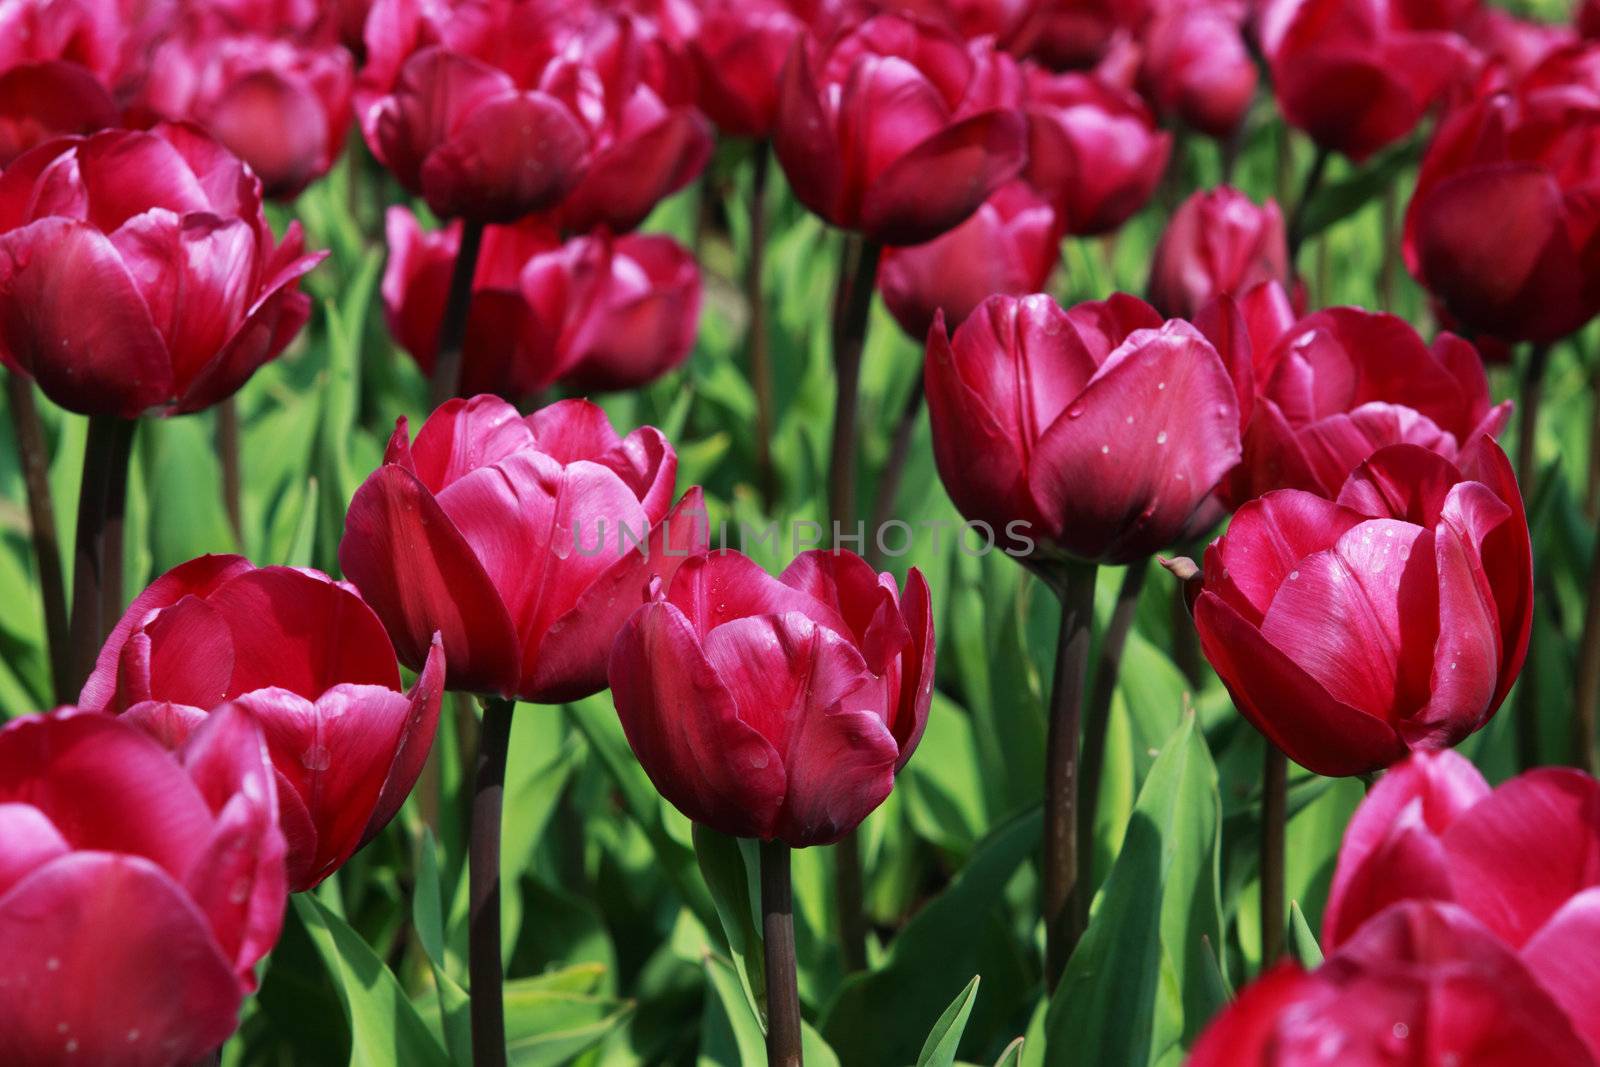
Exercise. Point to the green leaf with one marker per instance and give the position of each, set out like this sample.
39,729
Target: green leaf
731,1035
1301,940
1012,1056
547,1025
385,1030
1136,984
427,910
731,867
940,1048
1336,201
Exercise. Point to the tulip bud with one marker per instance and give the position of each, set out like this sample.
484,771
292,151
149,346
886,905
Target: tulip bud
1094,150
524,542
1394,618
1197,69
777,708
1357,75
1497,228
1008,247
137,271
898,129
1103,429
310,662
1217,242
137,890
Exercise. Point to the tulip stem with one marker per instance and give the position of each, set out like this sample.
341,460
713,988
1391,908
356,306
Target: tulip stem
446,381
1308,191
777,930
42,527
894,468
1528,403
228,452
1274,820
1064,910
97,556
756,331
1098,715
486,973
851,307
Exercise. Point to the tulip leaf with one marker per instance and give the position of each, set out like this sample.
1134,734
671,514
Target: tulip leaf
1135,986
385,1030
548,1025
427,910
878,1017
1336,201
1012,1056
731,867
940,1048
732,1036
1301,940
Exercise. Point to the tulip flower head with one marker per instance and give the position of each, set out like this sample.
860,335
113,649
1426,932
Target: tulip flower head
138,888
42,101
1218,242
738,56
1197,69
1392,618
776,708
898,129
525,542
1102,429
310,662
138,272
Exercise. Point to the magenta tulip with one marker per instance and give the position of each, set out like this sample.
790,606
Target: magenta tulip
314,667
111,39
1197,68
1094,149
898,129
524,542
1102,429
1393,618
137,890
43,101
137,271
1009,247
777,708
596,312
1218,242
1501,227
738,54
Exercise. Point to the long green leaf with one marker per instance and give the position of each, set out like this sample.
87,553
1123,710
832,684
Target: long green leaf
940,1048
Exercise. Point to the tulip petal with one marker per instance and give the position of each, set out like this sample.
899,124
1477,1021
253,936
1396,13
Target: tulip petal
1562,957
944,179
1266,541
627,180
570,430
1553,814
185,656
508,156
1335,446
105,360
803,138
1246,1030
416,741
127,176
463,435
170,724
1316,730
685,728
1466,664
848,585
78,938
1506,553
647,465
1404,482
30,841
910,716
1130,460
719,587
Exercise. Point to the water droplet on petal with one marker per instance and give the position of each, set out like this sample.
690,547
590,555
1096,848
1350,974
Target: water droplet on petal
1161,438
1294,576
316,758
1075,411
1105,450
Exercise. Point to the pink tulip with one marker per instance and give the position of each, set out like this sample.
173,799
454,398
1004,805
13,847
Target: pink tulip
524,542
1197,68
112,39
1218,242
739,53
42,101
778,708
313,666
137,890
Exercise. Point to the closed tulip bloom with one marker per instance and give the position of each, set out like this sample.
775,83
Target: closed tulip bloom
738,55
112,39
1103,428
137,889
310,662
898,129
1422,985
42,101
137,271
1009,247
1358,75
1336,386
1094,149
1501,227
1197,68
524,542
776,708
596,312
1219,241
1393,618
280,104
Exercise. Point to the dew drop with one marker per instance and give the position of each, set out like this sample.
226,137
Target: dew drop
1294,576
1105,450
52,964
1161,438
62,1028
316,758
1402,1031
1129,420
1075,411
71,1045
133,1035
1161,385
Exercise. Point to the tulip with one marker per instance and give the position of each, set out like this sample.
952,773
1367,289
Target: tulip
1094,150
137,890
898,129
137,271
42,101
1002,20
1498,228
281,104
1357,75
1392,618
776,708
310,661
1333,388
1102,429
1197,68
524,542
1077,34
1588,19
1519,44
1422,985
597,312
112,39
738,55
1009,247
1218,242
